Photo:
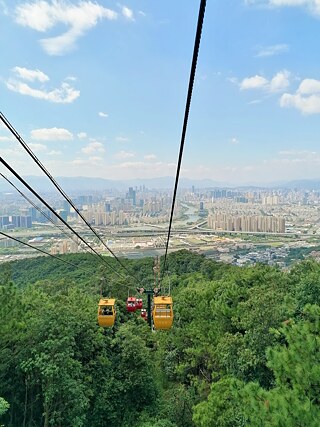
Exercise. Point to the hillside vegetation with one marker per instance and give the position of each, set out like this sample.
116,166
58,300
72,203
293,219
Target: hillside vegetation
243,351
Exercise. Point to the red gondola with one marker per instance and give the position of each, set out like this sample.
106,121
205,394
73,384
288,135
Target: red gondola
131,304
144,314
139,304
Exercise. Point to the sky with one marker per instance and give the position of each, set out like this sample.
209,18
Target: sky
98,88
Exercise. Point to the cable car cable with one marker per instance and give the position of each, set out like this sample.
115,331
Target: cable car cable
186,116
37,249
43,213
58,187
55,213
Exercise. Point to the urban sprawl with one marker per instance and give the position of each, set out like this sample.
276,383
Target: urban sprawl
240,226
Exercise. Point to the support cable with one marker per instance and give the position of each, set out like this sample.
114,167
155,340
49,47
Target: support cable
43,213
186,116
57,186
54,212
37,249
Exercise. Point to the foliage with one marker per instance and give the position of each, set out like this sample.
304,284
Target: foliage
244,349
4,406
223,407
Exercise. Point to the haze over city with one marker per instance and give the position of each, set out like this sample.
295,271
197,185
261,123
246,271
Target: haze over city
98,89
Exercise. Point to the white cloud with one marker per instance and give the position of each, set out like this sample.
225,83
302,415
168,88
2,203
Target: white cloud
102,114
307,105
12,152
37,147
306,99
127,13
255,101
309,87
82,135
122,139
275,49
279,82
124,155
150,157
5,138
95,160
51,134
71,78
142,13
63,95
143,169
255,82
312,6
296,153
91,161
234,141
147,166
93,147
294,158
54,153
30,75
42,16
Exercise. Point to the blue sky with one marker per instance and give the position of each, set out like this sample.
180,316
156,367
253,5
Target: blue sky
98,88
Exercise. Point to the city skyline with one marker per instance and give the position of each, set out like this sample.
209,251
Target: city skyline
226,224
98,89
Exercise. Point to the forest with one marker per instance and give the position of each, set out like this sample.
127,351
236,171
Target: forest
243,349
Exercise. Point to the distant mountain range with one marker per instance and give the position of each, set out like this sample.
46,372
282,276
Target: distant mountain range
304,184
78,184
100,184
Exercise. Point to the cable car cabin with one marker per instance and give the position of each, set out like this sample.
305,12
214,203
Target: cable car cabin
144,314
131,304
139,304
162,312
106,312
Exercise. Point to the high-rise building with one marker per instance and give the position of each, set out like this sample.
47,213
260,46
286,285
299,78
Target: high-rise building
73,247
63,213
98,218
66,206
54,250
33,213
63,249
105,218
16,221
121,217
113,218
132,195
25,222
249,223
4,221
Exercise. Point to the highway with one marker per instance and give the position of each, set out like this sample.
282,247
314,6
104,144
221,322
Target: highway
115,233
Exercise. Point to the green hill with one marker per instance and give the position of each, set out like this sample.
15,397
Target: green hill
243,350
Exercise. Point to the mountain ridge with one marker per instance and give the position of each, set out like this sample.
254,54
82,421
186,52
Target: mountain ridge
89,184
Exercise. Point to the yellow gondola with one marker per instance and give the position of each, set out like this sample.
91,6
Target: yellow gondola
106,312
162,312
